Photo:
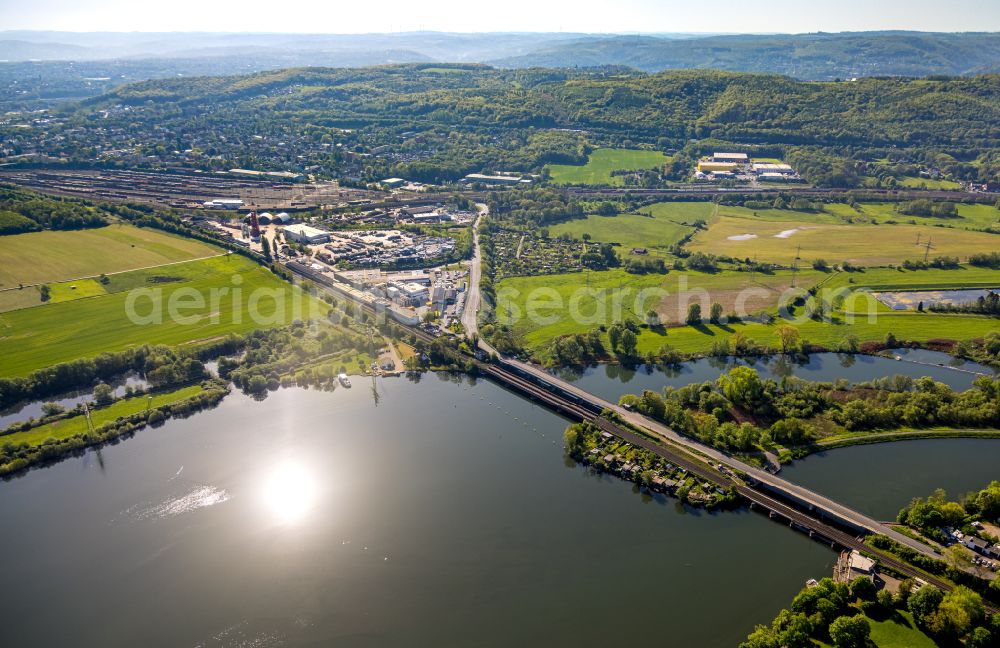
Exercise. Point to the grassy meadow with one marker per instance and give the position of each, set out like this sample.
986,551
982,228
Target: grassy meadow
656,233
53,256
866,245
600,164
85,326
555,298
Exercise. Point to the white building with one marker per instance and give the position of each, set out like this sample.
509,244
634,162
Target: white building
492,179
772,167
407,294
735,158
223,203
302,233
861,565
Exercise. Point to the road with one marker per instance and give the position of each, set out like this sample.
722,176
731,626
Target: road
470,313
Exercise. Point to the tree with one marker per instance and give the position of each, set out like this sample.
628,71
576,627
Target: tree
715,314
850,632
629,342
572,438
585,236
45,292
742,386
103,394
789,338
51,409
958,557
924,602
652,318
863,588
960,610
980,638
762,637
694,315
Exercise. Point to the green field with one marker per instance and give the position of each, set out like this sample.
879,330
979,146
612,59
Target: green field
68,427
43,257
927,183
543,308
977,216
865,245
899,632
590,292
600,164
905,325
655,233
58,332
883,279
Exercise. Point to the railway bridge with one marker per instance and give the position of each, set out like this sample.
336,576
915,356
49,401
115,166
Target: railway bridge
820,517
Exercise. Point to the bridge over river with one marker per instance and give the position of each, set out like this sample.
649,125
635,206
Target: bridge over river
803,509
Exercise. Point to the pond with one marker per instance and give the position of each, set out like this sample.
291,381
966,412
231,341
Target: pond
910,300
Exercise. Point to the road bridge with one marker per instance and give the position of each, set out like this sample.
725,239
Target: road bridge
806,510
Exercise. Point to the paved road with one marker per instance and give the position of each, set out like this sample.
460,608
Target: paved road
472,297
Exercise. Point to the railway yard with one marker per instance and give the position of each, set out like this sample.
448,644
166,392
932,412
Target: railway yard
187,190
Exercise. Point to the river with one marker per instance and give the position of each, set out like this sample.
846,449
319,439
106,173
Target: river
433,518
437,512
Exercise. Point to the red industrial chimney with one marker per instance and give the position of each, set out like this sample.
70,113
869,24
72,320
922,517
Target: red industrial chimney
254,224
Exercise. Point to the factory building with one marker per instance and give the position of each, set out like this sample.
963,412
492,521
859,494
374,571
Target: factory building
707,166
770,167
734,158
301,233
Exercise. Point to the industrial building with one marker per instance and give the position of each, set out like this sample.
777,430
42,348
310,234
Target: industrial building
301,233
772,167
735,158
708,166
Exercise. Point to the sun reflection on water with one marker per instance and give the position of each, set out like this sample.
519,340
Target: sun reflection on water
289,492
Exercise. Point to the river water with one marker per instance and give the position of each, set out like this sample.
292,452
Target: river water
437,512
610,381
433,518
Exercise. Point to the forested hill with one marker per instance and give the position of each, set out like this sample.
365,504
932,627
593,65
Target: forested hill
680,104
438,122
802,56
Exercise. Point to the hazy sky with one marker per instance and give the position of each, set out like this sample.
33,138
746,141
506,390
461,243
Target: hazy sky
338,16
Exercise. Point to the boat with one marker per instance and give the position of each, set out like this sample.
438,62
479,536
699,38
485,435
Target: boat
344,380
